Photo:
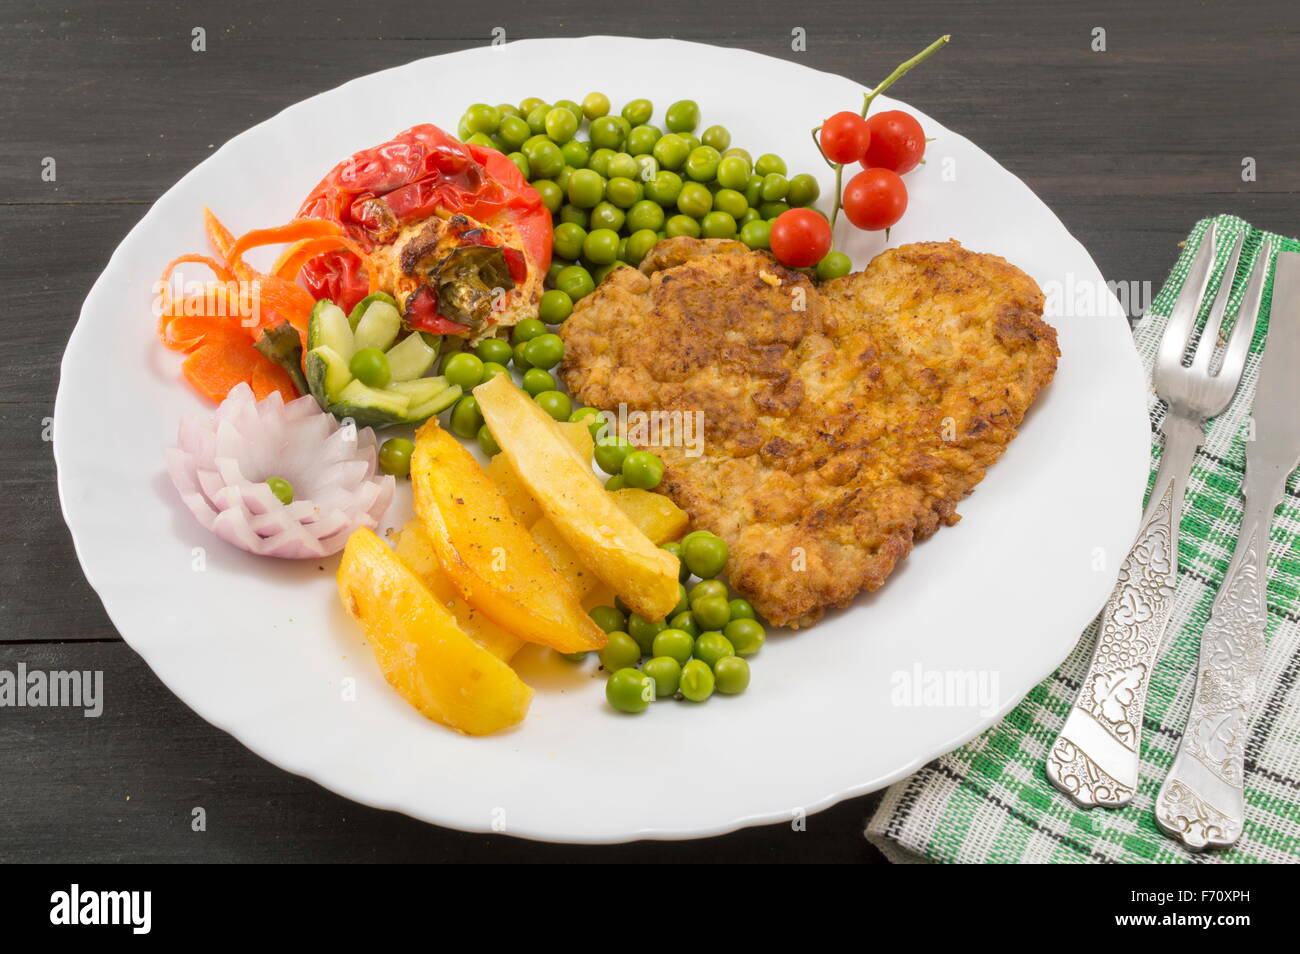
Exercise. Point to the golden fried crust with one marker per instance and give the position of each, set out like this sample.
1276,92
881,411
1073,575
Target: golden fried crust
842,423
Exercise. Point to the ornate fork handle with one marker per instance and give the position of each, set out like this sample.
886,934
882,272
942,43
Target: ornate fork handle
1201,802
1095,758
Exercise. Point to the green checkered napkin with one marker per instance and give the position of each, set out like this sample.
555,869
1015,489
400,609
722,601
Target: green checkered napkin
990,800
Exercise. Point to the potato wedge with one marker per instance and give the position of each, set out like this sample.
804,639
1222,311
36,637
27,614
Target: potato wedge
602,535
654,514
521,501
489,556
563,557
423,654
415,549
579,437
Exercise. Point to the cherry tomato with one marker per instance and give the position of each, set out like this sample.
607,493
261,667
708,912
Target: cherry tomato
897,142
845,137
875,199
800,238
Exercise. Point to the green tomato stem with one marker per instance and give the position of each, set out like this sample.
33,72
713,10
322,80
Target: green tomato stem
867,99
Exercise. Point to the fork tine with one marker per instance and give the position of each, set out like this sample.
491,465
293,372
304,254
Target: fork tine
1209,339
1183,315
1234,356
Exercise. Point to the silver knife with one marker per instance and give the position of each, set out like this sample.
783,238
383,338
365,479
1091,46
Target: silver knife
1201,802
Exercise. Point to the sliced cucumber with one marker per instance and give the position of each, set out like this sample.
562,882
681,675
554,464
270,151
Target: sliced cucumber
327,373
435,405
329,328
412,357
357,394
378,327
420,390
359,309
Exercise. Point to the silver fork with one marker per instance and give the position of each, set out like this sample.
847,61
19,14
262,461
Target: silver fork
1095,758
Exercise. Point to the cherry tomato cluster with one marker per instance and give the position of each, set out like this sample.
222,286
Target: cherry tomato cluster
887,145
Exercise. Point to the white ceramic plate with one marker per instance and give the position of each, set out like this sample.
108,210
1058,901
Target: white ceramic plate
262,649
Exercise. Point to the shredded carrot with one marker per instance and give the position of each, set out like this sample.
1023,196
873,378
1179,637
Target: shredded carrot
220,362
301,252
289,232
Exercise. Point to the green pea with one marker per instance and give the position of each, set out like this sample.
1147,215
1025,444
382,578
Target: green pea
697,681
463,369
754,189
670,151
466,418
572,107
560,125
739,153
804,190
586,188
482,118
492,368
574,657
513,131
638,111
711,612
600,247
746,635
643,469
624,165
706,588
705,555
742,609
686,623
683,573
692,142
731,674
487,443
682,116
571,214
624,192
603,272
536,118
555,403
536,381
631,690
507,110
694,200
673,643
576,152
527,330
774,187
606,133
545,352
682,605
562,180
716,136
595,105
607,618
664,188
667,674
834,265
395,456
575,281
527,105
370,367
520,356
599,161
647,168
551,194
591,417
615,483
773,210
711,647
769,163
642,139
718,225
640,242
645,214
567,238
733,172
644,630
682,225
606,215
702,163
756,234
619,652
610,452
554,307
282,490
731,202
521,163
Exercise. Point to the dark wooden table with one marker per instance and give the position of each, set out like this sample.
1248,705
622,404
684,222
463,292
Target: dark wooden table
1129,146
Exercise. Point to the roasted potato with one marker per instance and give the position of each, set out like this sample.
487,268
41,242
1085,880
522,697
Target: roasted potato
654,514
603,536
490,557
423,654
415,549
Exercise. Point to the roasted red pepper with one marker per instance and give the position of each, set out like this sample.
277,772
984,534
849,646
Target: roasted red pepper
376,192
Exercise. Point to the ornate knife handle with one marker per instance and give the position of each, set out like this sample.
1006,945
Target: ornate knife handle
1201,802
1095,758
